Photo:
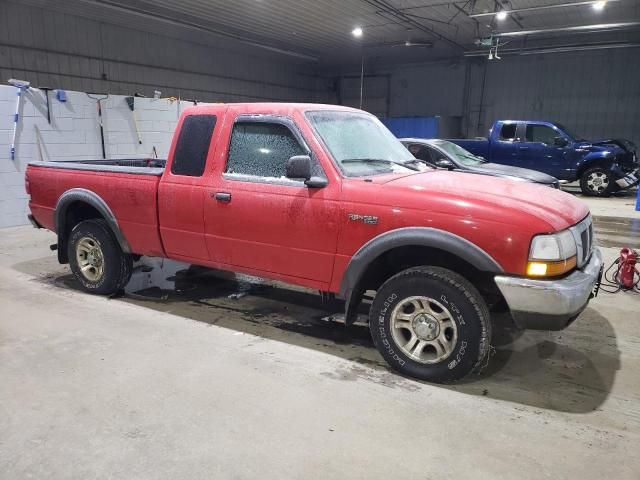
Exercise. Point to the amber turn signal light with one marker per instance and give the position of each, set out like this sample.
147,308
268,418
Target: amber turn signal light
550,269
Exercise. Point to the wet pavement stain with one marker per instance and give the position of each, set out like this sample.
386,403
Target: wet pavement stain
617,232
566,371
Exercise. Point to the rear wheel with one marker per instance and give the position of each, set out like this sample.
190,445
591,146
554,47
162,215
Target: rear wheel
430,323
96,259
597,182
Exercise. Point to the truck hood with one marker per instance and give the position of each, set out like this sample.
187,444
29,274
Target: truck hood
623,143
615,146
492,198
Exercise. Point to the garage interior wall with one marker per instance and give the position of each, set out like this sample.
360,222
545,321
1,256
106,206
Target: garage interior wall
74,134
595,94
59,50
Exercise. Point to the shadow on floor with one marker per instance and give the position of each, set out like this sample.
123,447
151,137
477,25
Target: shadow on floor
569,371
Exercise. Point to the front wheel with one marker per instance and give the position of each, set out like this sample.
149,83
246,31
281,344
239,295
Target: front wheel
96,259
597,182
430,323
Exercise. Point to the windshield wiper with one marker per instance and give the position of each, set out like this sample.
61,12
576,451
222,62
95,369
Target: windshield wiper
475,158
381,160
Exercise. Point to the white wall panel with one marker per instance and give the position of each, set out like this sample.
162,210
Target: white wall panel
74,134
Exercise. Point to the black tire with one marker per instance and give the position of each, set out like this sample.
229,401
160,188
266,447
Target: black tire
465,306
116,265
597,182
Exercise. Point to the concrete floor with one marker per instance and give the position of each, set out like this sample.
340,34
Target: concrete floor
196,375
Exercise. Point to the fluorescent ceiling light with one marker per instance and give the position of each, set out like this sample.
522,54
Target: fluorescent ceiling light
357,32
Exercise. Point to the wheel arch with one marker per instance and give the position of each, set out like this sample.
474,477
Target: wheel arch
415,242
80,204
595,159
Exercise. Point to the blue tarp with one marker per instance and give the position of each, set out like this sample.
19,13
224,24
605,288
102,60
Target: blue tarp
418,127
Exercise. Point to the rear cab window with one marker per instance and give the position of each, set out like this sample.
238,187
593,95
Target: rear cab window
508,132
192,147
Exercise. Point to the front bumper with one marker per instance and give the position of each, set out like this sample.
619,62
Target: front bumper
34,222
550,304
629,180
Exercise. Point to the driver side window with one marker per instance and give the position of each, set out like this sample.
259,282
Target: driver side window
540,134
422,152
261,149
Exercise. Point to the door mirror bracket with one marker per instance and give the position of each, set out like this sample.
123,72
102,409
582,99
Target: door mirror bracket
445,163
299,168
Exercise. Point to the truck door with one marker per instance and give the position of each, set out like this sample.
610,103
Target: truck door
183,188
538,150
258,219
503,144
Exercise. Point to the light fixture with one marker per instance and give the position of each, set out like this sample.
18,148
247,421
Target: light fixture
502,15
357,32
599,5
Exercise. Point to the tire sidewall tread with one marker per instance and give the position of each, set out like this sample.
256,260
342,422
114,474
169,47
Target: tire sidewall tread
461,298
583,183
117,264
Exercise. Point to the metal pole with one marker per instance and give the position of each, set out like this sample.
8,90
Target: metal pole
361,79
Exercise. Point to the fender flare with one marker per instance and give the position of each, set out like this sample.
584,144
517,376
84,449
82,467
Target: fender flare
90,198
592,157
409,236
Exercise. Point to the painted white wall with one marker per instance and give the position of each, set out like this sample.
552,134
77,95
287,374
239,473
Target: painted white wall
74,134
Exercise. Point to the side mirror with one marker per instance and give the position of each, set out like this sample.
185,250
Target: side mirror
445,163
299,168
560,142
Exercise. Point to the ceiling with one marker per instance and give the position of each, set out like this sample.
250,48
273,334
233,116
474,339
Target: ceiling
319,31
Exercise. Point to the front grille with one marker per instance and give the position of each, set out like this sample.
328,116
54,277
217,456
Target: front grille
583,235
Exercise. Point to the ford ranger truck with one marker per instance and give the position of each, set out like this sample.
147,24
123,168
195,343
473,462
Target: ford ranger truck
325,197
602,167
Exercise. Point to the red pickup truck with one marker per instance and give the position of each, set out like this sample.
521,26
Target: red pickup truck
326,197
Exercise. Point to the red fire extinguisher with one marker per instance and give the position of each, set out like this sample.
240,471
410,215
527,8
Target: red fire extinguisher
626,274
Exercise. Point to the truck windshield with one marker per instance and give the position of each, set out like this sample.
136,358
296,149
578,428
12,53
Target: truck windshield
458,153
360,144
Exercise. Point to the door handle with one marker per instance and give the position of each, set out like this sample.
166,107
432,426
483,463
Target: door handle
523,148
222,197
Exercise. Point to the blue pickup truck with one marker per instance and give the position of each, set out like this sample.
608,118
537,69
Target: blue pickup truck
602,167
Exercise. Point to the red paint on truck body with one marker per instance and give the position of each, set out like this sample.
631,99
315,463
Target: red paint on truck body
304,235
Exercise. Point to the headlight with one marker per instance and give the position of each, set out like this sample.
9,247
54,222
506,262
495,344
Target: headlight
552,255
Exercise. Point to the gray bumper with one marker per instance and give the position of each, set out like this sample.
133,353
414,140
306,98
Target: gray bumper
550,304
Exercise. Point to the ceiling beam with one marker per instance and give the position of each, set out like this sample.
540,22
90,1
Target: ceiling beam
193,25
544,7
389,9
601,27
555,49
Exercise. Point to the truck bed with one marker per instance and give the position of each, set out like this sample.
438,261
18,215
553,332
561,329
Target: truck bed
128,186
